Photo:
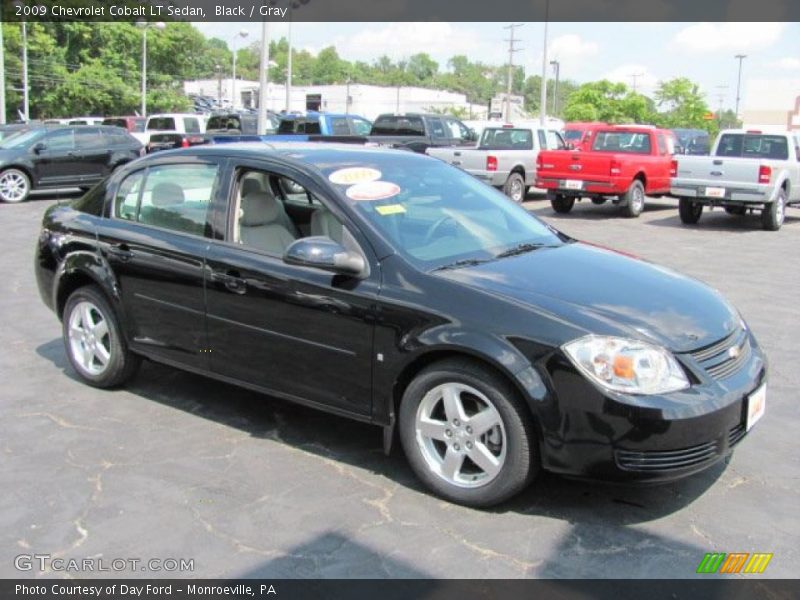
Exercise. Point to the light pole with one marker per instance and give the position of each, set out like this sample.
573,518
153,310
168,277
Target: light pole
740,58
263,78
2,75
25,99
241,34
543,95
144,26
218,69
289,62
347,96
557,69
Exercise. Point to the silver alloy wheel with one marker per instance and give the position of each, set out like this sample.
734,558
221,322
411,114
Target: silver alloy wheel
13,186
780,209
89,338
460,435
517,193
638,199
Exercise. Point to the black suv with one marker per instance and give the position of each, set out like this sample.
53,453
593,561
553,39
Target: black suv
60,157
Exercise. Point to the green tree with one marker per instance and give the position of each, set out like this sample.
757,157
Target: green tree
422,68
681,104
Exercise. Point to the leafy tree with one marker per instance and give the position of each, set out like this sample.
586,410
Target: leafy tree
422,68
681,104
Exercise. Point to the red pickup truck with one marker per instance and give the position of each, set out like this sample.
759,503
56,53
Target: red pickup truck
625,163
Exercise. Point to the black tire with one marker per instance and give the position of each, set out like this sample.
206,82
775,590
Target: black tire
514,188
521,459
633,200
599,201
737,211
689,211
15,186
122,364
562,204
774,213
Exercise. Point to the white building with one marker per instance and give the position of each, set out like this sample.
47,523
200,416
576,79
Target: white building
772,104
366,100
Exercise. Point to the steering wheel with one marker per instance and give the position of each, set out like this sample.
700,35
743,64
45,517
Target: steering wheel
429,235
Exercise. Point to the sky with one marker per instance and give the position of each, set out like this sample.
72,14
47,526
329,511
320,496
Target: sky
704,52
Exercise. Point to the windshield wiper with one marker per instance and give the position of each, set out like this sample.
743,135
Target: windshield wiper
467,262
521,249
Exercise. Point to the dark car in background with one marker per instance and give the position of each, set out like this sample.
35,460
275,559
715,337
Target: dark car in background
398,290
692,141
62,157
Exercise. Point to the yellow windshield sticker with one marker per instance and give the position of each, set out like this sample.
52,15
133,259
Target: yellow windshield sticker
353,175
390,209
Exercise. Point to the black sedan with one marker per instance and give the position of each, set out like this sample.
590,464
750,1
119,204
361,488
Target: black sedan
47,157
395,289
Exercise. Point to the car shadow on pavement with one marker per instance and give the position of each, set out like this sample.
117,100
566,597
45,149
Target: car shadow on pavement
360,445
719,220
587,211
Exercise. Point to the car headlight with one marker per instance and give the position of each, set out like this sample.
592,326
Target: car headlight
627,365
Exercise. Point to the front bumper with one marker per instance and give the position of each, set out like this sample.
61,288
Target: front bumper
592,433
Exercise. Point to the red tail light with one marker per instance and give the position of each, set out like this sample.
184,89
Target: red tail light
491,163
764,174
673,168
539,162
185,143
614,168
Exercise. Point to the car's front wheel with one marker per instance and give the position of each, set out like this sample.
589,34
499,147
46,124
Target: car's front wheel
94,342
15,186
467,434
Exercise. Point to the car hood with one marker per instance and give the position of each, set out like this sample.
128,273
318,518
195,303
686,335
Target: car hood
607,293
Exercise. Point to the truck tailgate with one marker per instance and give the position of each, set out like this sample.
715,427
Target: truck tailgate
717,171
567,165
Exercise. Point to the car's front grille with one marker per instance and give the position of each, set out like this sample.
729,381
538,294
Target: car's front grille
723,358
736,434
667,460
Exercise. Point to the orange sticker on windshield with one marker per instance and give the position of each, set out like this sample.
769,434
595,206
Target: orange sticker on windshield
372,191
353,175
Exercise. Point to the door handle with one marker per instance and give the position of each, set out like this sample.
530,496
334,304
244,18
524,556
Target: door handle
232,280
121,251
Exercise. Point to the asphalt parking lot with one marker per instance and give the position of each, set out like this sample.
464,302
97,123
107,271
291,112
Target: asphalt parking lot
178,466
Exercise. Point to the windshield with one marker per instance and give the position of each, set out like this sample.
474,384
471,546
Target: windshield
507,139
23,139
631,142
435,214
753,146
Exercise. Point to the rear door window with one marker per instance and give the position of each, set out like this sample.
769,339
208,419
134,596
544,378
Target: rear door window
176,197
61,140
339,126
89,138
437,129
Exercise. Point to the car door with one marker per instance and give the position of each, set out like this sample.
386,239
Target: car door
155,239
302,333
93,152
57,163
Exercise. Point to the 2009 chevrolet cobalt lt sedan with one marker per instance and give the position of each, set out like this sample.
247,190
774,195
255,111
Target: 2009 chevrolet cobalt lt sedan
395,289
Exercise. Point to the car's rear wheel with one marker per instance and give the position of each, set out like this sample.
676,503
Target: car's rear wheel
774,213
15,186
515,187
93,340
562,204
466,433
633,200
689,211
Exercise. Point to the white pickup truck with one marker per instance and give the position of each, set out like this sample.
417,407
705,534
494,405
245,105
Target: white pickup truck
505,156
747,170
181,123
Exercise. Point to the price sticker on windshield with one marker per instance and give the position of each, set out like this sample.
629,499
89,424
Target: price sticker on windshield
353,175
372,191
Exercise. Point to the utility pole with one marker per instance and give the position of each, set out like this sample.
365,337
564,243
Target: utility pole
740,58
557,69
509,77
263,78
635,76
25,97
218,69
721,97
289,62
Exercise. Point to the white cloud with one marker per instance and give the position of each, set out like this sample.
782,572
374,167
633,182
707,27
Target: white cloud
440,40
733,37
570,46
788,63
646,82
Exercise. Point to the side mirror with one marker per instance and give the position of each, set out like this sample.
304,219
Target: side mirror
322,252
39,147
